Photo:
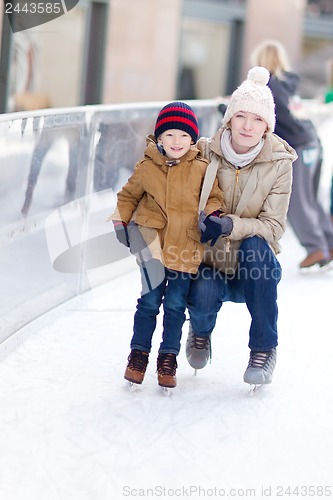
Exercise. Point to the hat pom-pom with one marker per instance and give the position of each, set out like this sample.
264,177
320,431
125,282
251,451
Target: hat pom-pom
259,75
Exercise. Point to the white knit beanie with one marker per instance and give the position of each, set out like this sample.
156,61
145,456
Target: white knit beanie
253,96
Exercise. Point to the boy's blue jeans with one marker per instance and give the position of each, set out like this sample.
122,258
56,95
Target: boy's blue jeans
254,282
173,292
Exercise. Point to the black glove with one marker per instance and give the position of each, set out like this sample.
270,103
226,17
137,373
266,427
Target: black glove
120,229
222,108
212,227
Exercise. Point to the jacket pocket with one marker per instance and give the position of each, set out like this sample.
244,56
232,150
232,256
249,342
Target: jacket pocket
193,250
193,233
150,220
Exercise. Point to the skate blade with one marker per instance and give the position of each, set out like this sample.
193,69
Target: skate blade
254,388
316,269
132,386
327,267
166,391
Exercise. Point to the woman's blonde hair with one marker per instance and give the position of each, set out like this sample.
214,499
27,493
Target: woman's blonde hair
271,55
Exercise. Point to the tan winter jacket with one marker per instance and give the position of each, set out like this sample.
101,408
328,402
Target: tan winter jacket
164,196
256,197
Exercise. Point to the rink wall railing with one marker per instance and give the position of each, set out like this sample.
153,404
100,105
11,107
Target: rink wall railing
60,171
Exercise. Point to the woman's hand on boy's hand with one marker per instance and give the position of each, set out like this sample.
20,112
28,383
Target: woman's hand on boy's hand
212,227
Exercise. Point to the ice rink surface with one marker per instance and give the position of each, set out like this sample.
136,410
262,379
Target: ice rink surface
71,429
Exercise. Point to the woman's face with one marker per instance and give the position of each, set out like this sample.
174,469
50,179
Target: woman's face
246,131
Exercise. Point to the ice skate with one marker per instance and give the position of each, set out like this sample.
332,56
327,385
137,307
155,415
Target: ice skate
166,370
198,350
260,368
315,261
136,366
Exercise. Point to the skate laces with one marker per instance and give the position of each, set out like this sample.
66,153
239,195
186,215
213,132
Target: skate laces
137,360
201,343
167,364
261,359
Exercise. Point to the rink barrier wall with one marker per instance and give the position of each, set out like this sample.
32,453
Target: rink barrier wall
60,172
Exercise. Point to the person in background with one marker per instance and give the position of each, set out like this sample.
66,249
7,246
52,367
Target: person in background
310,222
329,98
254,171
331,199
164,193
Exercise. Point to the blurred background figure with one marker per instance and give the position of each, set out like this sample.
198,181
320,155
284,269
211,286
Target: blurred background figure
329,98
24,95
329,92
311,224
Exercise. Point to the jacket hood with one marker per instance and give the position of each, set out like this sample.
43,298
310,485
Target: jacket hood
152,152
274,148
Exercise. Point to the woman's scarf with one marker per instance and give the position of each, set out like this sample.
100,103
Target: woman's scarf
237,159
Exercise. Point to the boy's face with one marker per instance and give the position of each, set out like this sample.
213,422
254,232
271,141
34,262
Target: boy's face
175,142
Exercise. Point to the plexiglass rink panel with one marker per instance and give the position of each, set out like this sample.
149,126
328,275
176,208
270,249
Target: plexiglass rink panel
60,171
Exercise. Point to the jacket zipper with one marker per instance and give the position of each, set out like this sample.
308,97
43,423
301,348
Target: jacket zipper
237,171
237,174
227,246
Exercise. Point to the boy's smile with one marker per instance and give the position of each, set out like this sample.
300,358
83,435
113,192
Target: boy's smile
175,142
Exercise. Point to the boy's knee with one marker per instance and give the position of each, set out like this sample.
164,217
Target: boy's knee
203,294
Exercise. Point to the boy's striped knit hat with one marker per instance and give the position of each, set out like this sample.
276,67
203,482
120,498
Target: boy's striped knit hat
177,115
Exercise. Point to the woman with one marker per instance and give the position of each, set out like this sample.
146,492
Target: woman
328,98
311,224
254,171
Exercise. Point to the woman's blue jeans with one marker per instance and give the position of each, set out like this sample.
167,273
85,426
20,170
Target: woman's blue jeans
173,292
254,282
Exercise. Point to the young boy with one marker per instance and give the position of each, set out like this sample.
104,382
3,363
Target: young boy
164,192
